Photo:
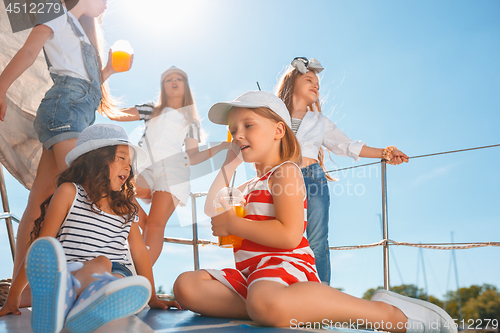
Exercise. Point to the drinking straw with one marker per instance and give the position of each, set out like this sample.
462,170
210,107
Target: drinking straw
231,189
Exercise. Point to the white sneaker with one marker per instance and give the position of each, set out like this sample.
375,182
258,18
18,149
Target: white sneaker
52,285
423,317
107,299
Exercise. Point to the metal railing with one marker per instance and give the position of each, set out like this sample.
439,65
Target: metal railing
195,241
385,242
7,215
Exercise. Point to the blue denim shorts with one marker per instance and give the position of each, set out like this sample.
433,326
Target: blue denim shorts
120,269
66,110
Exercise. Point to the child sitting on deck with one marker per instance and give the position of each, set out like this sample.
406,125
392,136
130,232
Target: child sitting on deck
92,217
275,282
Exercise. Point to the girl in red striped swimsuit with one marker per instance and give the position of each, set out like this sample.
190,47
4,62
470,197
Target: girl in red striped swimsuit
275,282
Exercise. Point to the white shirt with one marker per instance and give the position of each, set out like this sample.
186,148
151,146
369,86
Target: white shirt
63,47
316,130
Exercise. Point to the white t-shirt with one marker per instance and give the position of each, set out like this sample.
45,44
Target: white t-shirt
63,47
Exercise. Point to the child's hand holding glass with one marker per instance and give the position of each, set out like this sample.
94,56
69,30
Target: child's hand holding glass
229,205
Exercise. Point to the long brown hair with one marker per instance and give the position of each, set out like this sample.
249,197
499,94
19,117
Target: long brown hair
92,170
289,146
188,106
284,90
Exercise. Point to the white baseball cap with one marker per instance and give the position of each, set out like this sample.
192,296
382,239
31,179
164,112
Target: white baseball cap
171,70
103,135
251,99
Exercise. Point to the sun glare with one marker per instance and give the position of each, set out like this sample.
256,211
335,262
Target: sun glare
160,16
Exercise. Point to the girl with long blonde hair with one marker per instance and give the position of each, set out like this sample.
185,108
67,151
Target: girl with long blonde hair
171,137
298,88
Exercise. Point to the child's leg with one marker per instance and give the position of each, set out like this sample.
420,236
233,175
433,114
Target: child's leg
273,304
162,206
43,186
104,297
99,265
50,165
199,292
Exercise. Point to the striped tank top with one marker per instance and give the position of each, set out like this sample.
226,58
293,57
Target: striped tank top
255,262
260,207
85,234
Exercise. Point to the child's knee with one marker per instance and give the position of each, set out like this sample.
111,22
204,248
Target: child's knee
185,288
101,264
266,309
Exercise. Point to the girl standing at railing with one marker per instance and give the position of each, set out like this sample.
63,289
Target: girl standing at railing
171,139
275,282
87,227
72,45
299,90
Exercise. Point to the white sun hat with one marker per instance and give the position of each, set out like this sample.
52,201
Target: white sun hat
103,135
171,70
251,99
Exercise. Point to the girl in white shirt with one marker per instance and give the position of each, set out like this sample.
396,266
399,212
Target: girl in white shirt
171,138
299,90
72,47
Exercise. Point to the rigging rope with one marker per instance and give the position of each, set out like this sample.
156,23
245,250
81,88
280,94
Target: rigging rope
419,156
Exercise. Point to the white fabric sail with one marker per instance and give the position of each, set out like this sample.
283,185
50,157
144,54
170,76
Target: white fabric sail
20,150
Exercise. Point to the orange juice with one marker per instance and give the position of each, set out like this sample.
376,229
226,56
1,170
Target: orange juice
231,240
229,137
122,61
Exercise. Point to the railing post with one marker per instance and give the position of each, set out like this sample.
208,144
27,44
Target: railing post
385,226
195,233
8,220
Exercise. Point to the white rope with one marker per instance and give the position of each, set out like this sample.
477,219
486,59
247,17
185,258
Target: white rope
436,246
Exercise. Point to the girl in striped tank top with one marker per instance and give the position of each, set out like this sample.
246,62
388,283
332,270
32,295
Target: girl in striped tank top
87,227
275,282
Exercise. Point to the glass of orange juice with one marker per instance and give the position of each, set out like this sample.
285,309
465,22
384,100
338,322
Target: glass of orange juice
122,55
236,200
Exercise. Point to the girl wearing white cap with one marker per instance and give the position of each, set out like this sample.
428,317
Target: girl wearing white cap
85,228
299,90
275,282
171,139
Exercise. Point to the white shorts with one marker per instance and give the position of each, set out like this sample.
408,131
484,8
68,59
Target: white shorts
172,177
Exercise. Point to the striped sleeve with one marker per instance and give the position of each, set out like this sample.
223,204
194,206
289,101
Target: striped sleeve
145,110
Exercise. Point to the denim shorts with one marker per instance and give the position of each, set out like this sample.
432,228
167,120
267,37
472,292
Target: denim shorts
120,269
66,110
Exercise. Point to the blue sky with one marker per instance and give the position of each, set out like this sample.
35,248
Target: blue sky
421,75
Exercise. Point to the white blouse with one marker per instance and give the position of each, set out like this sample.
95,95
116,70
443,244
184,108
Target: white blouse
316,130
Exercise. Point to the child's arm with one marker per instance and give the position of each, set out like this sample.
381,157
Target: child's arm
285,232
196,156
396,156
23,59
340,144
142,263
128,114
56,213
222,179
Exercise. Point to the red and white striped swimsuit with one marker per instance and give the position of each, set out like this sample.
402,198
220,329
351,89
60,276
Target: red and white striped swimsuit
255,262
